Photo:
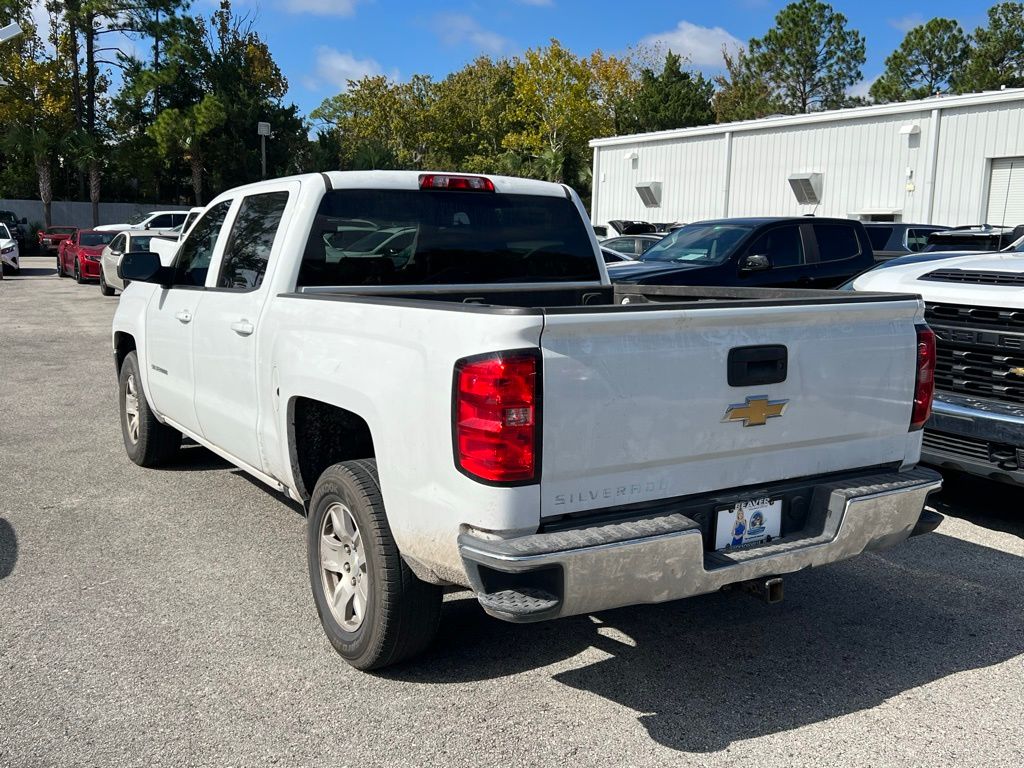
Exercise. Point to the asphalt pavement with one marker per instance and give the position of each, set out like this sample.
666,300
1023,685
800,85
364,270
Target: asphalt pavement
164,618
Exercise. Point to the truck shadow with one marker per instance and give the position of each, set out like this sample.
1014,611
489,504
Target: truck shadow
707,672
8,548
997,506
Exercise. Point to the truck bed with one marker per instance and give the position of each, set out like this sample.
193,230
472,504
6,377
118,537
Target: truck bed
553,299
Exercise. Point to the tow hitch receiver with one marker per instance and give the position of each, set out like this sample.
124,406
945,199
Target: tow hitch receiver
769,590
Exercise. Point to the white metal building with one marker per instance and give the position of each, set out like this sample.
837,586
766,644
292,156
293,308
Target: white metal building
947,160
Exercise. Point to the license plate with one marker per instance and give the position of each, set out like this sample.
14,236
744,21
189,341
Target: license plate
747,522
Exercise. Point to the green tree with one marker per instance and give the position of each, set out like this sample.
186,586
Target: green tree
672,98
809,58
470,110
35,110
187,132
554,108
927,61
744,93
997,56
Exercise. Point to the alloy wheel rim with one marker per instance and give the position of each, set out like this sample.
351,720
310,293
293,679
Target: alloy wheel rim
131,408
343,570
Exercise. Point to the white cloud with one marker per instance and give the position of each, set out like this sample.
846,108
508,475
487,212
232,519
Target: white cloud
336,68
907,23
455,29
701,45
322,7
863,88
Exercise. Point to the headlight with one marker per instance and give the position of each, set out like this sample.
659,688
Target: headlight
8,249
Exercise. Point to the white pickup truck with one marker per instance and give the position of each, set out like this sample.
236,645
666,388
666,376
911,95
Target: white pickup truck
439,369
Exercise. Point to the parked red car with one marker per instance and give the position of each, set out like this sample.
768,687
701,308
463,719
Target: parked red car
79,255
51,237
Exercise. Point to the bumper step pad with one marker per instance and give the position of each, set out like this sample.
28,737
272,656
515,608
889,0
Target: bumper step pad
518,602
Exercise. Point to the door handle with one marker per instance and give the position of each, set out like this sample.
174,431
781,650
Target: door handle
242,327
183,315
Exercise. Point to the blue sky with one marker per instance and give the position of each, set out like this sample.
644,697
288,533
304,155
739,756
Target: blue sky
320,43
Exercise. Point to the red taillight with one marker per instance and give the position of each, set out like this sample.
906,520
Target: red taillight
924,387
496,414
465,183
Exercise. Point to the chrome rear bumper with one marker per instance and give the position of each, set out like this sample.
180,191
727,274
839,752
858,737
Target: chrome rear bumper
549,575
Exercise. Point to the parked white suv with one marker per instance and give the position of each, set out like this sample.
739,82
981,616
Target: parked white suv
161,220
481,407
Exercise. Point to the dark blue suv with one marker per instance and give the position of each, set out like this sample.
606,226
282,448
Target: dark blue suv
782,252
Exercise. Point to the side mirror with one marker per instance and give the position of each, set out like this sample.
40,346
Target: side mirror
755,262
144,267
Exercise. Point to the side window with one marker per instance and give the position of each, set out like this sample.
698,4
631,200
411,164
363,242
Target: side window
917,239
879,236
117,244
161,221
196,251
625,245
645,245
782,246
251,240
836,242
176,219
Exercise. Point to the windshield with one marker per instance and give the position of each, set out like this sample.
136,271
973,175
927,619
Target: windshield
5,233
699,243
446,237
92,239
8,217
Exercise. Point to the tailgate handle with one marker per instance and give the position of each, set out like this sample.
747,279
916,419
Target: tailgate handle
756,366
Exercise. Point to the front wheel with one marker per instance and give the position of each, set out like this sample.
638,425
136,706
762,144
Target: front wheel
60,268
78,273
147,442
372,607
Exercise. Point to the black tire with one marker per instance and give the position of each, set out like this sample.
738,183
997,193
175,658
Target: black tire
78,273
156,443
402,612
60,268
105,289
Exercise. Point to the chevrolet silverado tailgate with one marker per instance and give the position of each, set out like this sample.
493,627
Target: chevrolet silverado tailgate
637,404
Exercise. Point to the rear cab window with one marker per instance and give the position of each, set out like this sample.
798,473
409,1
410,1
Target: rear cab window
879,236
438,237
836,242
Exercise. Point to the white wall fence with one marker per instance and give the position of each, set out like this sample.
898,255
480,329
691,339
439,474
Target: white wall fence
80,214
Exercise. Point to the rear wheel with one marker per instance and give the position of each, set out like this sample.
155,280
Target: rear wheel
105,289
60,268
372,607
147,442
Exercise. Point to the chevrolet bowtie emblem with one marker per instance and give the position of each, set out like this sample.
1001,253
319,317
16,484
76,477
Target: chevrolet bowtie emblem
756,411
1017,372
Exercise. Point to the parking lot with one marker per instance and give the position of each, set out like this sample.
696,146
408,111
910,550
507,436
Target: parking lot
164,617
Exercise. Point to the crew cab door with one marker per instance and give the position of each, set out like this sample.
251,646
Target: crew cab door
227,329
785,249
171,317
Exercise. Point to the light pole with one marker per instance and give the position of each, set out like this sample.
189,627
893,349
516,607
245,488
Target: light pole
263,129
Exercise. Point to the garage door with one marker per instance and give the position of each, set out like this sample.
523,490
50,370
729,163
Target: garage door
1006,192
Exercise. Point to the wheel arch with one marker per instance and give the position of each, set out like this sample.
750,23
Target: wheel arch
124,343
321,434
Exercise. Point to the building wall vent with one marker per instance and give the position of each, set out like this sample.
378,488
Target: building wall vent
650,193
806,187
